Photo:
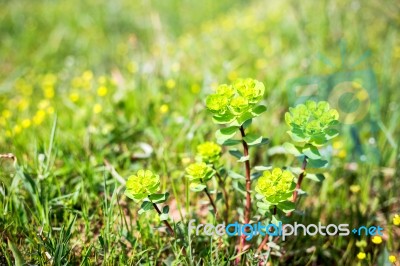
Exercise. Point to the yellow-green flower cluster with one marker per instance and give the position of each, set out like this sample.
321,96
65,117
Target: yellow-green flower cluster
236,99
312,122
209,152
141,185
275,185
199,174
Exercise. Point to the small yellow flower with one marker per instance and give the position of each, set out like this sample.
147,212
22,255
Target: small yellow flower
396,219
164,108
342,154
8,133
26,123
376,240
23,104
97,108
355,189
74,97
3,121
17,129
195,88
170,84
39,117
43,104
361,255
48,92
392,258
6,114
102,91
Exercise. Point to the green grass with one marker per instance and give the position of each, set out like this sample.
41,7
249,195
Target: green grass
59,204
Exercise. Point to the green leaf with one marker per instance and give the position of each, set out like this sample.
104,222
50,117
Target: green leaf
311,152
334,123
253,139
231,142
135,197
317,163
164,216
146,206
247,123
259,110
286,206
159,198
223,119
235,175
197,187
318,139
297,137
263,205
315,177
244,159
292,149
239,186
263,142
236,153
262,168
165,209
18,258
331,133
226,133
244,118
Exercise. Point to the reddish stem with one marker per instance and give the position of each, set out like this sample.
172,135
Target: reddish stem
211,201
247,210
171,231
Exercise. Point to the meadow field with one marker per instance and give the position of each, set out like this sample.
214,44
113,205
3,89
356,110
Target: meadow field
92,92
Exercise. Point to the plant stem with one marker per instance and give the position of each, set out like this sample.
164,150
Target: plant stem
222,185
247,209
171,231
211,201
248,178
299,180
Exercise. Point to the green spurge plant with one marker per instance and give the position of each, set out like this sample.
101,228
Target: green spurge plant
236,105
208,155
144,187
311,126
